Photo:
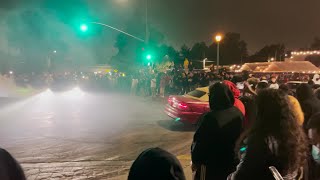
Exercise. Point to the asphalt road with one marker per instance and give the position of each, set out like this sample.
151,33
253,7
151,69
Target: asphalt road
79,135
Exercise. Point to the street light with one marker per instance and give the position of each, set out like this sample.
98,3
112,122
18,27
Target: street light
54,51
218,39
149,57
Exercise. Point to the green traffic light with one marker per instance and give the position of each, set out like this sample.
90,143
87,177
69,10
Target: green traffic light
84,27
149,57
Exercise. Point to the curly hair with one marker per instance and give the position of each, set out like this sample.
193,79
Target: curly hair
276,119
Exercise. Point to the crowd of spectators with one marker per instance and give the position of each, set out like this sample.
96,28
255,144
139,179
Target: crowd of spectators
280,139
180,81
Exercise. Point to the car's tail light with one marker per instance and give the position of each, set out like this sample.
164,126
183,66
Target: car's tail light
183,106
170,100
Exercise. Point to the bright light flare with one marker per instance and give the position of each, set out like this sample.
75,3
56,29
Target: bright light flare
74,93
218,38
84,27
47,94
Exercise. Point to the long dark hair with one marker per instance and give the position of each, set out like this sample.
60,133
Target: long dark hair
276,119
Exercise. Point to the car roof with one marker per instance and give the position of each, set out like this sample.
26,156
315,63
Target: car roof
295,82
204,89
204,98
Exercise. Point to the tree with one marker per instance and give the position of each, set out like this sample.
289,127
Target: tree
173,54
29,27
185,51
243,51
233,50
132,53
275,51
315,45
198,51
168,53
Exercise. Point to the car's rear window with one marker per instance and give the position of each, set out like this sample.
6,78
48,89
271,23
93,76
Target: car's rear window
197,93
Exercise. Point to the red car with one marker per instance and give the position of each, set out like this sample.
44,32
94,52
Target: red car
188,108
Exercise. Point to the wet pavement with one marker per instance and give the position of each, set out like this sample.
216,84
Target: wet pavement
79,135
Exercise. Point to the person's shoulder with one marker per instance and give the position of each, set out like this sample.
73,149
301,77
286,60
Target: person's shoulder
209,116
235,111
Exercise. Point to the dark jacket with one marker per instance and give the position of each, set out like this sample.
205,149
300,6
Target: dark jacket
214,141
309,103
259,156
156,164
9,167
250,105
313,170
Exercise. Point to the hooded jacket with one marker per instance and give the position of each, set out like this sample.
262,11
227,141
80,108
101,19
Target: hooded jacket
309,103
213,144
9,167
236,94
156,164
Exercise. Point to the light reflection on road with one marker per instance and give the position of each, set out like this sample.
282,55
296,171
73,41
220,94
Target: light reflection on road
75,125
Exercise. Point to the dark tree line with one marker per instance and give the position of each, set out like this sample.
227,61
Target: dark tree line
233,50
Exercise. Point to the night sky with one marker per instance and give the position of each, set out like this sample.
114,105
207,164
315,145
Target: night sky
294,23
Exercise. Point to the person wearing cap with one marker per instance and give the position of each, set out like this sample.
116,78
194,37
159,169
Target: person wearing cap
273,83
313,127
156,164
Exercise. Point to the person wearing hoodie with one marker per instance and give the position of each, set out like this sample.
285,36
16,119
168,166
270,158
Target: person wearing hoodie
156,164
236,94
213,142
309,103
9,167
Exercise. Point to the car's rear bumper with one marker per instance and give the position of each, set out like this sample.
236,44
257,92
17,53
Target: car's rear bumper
182,116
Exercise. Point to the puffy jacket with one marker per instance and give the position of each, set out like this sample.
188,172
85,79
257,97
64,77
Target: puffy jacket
236,94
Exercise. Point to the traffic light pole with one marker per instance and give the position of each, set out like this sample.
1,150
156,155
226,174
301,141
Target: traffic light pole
147,27
135,37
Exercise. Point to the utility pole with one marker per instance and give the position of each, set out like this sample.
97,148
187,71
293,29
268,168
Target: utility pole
147,27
